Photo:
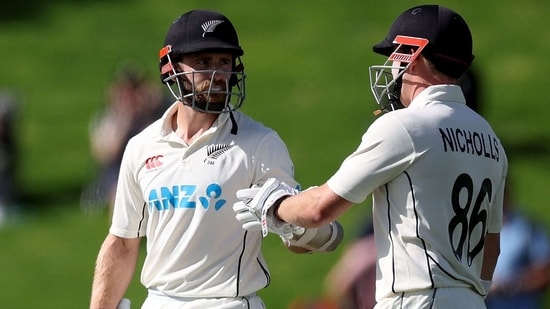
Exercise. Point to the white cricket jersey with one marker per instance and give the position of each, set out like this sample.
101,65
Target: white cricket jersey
436,171
181,196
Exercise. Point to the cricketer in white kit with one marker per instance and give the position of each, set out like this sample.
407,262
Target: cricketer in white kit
435,168
439,154
178,182
171,192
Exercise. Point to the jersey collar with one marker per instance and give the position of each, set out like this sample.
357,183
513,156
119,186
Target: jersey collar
448,93
166,128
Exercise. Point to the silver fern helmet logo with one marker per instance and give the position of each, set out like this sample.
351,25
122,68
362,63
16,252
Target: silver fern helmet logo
213,152
210,25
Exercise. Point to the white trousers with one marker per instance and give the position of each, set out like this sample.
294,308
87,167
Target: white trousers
440,298
155,301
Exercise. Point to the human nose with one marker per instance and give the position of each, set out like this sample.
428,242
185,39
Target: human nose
218,74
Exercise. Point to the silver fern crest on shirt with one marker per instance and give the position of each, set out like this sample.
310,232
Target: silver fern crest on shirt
210,25
215,151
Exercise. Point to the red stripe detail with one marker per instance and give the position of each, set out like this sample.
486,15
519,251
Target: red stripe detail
165,51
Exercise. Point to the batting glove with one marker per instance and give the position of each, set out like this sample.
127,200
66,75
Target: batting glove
325,238
255,210
248,220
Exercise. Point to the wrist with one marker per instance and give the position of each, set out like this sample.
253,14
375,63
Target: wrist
273,212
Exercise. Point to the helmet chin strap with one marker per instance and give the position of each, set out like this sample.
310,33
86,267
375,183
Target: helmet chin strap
234,126
393,102
202,106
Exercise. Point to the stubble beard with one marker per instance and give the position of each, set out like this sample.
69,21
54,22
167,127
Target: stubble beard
217,95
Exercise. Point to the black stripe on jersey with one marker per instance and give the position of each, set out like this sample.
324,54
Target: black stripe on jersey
239,265
391,239
433,298
266,273
401,300
428,257
264,268
417,219
143,209
443,269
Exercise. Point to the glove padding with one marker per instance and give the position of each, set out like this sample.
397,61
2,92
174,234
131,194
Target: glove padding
322,239
248,220
255,210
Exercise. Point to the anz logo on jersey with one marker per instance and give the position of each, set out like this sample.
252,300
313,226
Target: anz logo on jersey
182,196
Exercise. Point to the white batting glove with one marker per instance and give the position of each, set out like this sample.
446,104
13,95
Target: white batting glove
258,208
325,238
248,220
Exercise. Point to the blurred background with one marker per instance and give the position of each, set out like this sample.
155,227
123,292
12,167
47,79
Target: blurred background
307,67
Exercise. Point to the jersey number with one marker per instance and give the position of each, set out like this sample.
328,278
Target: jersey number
465,222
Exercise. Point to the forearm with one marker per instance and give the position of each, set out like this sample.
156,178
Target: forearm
257,210
490,256
312,208
115,267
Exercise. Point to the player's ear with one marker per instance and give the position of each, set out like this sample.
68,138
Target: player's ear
414,66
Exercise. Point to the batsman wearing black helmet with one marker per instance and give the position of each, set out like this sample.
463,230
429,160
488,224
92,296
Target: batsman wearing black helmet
434,167
178,182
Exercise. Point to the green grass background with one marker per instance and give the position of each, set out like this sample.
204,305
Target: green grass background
307,65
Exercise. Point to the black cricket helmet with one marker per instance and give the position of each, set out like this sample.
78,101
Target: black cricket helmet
202,31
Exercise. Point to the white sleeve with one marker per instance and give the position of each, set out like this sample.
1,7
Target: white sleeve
129,213
275,161
385,151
